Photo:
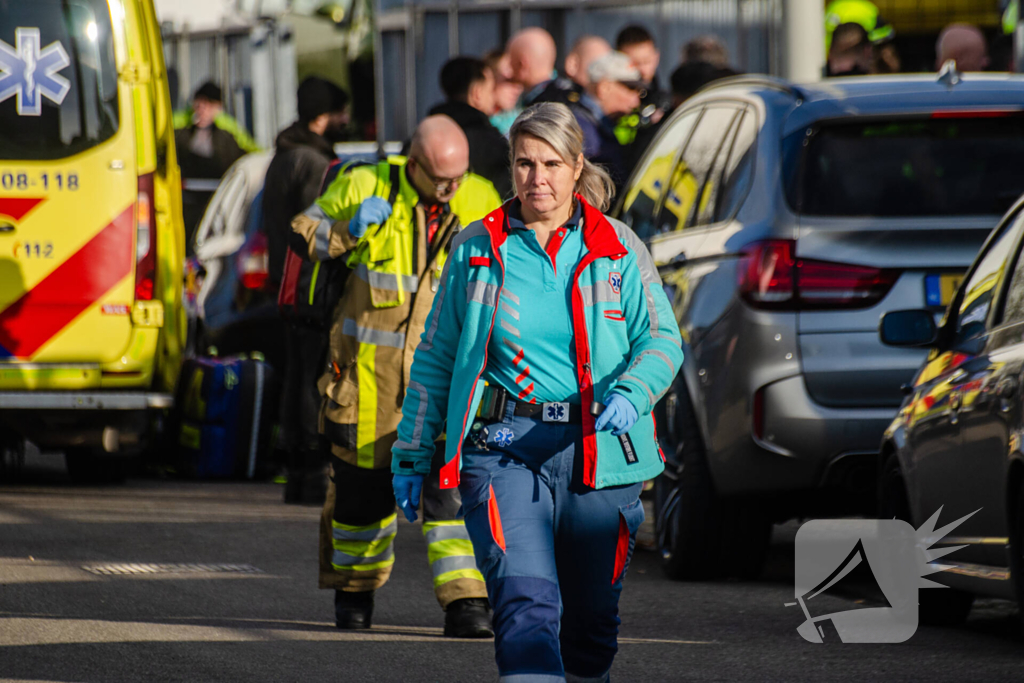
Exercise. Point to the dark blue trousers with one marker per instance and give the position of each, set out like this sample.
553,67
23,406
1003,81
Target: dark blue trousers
552,551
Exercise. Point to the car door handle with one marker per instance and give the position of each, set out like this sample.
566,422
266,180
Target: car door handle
6,227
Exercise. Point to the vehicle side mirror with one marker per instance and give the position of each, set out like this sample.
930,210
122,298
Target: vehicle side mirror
908,328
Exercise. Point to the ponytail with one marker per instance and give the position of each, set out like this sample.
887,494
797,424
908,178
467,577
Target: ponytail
596,186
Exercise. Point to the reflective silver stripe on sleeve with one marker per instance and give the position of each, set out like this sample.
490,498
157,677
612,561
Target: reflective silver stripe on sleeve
322,235
510,296
473,230
650,394
341,559
446,532
443,565
482,293
653,352
511,311
507,326
366,335
368,535
387,281
421,415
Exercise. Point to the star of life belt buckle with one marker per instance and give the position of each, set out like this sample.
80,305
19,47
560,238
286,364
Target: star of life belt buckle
555,411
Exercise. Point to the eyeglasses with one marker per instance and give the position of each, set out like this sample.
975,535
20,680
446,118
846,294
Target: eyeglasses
441,185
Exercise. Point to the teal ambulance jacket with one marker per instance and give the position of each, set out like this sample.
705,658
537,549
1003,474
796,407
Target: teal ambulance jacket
627,340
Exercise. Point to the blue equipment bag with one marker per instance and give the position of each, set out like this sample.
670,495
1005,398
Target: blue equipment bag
226,425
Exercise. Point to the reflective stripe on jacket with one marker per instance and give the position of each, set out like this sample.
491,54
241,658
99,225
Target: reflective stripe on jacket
378,321
627,340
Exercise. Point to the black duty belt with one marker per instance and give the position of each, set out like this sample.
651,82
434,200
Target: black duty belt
495,400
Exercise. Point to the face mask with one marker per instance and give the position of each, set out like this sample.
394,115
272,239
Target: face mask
334,135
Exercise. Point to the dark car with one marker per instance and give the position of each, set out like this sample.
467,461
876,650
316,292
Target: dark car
785,220
956,443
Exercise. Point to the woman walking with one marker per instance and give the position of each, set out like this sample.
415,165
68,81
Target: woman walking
546,350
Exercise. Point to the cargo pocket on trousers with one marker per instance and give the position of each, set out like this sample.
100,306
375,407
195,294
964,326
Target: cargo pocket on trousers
483,521
630,518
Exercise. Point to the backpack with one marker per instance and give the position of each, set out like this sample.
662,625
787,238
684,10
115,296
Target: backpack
310,290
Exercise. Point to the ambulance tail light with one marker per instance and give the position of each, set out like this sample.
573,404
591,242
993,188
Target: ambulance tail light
253,263
771,276
145,241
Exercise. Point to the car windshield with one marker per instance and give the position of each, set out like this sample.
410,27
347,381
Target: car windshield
58,78
963,164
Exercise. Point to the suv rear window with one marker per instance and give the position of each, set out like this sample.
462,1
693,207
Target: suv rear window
939,166
58,78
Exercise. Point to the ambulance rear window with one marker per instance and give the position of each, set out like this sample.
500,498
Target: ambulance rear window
58,78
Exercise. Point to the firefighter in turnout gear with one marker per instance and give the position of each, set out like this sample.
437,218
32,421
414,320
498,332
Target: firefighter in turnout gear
393,223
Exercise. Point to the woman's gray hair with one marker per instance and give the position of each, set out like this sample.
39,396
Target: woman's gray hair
555,124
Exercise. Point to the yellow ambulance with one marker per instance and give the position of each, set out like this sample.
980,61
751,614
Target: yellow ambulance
91,234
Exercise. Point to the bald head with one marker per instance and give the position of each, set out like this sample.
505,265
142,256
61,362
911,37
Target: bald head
532,56
963,43
439,151
585,51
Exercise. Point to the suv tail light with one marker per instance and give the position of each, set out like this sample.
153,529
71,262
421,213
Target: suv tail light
253,262
145,241
770,276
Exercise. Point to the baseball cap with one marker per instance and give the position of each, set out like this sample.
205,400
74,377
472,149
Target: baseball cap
615,66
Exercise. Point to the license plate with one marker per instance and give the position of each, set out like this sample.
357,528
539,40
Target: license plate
939,289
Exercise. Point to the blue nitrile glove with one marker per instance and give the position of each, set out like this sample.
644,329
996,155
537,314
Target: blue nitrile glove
407,493
618,415
373,211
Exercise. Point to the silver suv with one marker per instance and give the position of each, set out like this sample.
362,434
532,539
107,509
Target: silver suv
785,221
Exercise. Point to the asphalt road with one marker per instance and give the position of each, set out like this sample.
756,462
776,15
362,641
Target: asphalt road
73,608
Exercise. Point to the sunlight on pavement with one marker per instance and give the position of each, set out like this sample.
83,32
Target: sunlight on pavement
35,630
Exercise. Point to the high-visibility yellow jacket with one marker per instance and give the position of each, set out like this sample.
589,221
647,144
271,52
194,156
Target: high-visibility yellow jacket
223,121
381,316
860,12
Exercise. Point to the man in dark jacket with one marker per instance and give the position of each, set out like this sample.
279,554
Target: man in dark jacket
468,84
304,151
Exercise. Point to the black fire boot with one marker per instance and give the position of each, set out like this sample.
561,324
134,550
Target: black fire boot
468,618
353,610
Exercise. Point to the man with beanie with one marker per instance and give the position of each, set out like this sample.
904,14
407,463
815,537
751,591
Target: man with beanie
304,151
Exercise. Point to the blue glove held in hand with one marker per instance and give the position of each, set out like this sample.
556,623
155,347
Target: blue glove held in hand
407,493
618,415
373,211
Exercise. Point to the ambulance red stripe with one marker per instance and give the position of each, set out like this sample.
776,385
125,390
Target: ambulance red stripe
49,307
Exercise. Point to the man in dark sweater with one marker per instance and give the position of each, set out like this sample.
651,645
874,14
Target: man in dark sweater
468,84
304,151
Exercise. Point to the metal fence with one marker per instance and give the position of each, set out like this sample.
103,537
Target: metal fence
418,37
253,65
